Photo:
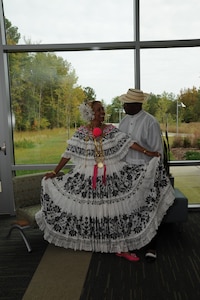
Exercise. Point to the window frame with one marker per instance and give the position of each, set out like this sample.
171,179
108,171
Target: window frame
136,45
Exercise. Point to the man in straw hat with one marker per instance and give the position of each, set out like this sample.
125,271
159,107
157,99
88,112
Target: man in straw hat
145,130
140,125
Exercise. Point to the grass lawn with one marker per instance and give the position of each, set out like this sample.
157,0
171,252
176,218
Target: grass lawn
187,179
41,147
46,147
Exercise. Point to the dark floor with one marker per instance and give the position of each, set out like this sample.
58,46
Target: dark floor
17,265
174,276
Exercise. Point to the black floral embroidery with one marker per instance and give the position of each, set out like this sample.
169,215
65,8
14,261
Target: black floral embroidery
117,227
80,149
122,187
116,184
103,228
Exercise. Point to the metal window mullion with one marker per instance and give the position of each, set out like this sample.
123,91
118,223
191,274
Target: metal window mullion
136,25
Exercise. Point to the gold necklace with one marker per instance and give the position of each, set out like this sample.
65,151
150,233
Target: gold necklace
99,153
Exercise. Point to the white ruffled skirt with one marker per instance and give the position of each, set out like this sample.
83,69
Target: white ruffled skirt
120,214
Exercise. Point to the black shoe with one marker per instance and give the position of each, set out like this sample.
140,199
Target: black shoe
151,255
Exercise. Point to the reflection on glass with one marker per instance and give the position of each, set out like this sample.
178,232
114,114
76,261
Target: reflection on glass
46,90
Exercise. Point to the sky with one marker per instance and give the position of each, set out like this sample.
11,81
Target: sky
111,73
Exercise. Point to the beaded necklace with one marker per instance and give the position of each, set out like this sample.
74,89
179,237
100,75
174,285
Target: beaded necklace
99,153
97,135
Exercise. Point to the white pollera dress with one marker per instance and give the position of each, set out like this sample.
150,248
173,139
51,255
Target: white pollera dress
119,213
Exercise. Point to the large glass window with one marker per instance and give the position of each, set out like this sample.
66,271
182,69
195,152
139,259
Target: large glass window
47,87
108,72
170,70
173,74
66,21
169,20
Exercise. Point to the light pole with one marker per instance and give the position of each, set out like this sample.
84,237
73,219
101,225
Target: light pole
177,116
177,106
119,111
107,118
120,114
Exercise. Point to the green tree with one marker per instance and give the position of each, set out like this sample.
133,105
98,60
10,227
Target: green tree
48,74
114,111
160,106
12,34
44,89
151,105
90,94
19,88
190,98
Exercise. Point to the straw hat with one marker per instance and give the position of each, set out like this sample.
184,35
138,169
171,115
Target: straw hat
134,96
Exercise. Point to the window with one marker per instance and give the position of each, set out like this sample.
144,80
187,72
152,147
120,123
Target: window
56,49
65,21
169,20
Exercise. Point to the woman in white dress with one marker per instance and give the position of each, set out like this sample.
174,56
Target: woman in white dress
103,204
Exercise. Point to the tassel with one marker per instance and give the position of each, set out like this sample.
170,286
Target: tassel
95,173
94,178
104,175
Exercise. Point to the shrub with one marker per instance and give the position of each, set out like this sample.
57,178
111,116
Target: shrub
177,142
192,155
186,142
197,143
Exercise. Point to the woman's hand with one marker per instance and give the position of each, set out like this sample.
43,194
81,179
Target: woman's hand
51,174
57,169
